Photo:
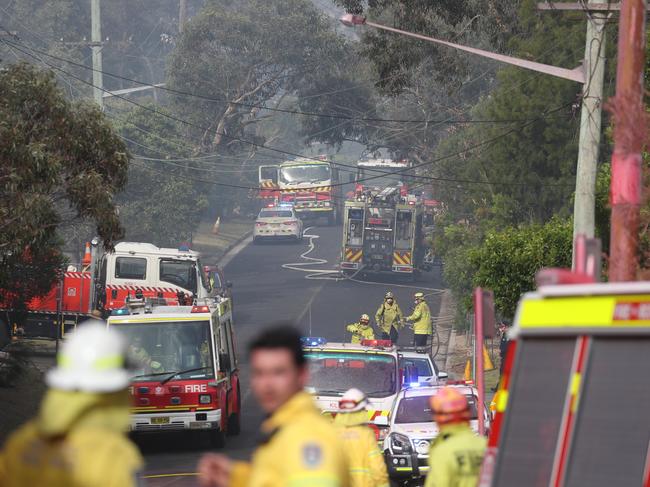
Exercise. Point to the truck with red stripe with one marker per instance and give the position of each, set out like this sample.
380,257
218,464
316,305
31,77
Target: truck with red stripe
312,186
383,233
104,281
186,375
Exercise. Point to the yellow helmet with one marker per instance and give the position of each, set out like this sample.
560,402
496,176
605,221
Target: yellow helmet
364,318
419,295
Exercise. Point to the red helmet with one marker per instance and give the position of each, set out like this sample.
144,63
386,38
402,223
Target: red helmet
449,406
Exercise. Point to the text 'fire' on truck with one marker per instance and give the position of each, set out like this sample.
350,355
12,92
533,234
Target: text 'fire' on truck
185,367
104,281
382,233
311,186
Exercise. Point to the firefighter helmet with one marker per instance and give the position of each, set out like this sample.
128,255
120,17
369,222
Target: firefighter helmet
449,406
91,360
419,295
389,295
352,401
364,318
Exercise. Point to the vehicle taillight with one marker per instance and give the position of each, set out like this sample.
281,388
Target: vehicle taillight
200,309
259,224
292,222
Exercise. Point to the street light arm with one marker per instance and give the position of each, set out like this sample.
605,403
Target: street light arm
576,74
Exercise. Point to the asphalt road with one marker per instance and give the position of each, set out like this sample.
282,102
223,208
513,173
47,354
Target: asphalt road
266,290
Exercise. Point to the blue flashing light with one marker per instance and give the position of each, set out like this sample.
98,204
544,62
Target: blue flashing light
286,205
313,341
183,248
414,384
120,312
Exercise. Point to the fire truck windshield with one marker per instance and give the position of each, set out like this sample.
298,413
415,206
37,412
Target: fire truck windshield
309,173
333,373
160,348
181,273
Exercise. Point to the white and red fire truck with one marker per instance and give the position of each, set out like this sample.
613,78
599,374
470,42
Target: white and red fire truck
104,281
186,368
312,186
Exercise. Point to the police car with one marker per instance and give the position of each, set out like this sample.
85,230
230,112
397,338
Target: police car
278,221
426,369
411,429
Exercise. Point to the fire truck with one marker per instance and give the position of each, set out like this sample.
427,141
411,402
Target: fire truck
382,233
104,281
377,174
186,373
311,186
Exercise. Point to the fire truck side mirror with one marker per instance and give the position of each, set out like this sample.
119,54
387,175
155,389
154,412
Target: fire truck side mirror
224,362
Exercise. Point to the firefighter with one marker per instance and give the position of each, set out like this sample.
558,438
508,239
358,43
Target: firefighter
456,454
79,437
421,319
140,356
361,330
299,446
389,318
365,460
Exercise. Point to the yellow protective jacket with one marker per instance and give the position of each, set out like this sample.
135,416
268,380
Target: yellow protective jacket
455,457
301,449
78,440
388,315
365,460
360,332
421,319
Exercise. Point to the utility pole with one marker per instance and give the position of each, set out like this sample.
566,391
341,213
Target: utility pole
182,14
590,126
96,46
629,137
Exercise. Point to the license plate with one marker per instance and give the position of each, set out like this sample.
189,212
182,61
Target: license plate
160,420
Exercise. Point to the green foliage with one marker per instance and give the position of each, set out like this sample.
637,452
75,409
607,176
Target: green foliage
59,161
161,203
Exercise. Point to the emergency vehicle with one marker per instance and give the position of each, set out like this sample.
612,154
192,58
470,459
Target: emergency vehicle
312,186
573,407
412,429
382,233
372,366
186,369
378,174
105,280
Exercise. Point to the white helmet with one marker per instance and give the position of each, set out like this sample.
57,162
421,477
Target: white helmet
352,401
92,359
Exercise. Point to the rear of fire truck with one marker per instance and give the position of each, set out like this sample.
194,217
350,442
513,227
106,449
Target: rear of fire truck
185,367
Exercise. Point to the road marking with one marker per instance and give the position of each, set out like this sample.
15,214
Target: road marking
163,475
232,253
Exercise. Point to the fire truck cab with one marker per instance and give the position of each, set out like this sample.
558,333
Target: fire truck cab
150,272
186,374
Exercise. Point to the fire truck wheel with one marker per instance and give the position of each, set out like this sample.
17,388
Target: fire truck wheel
217,438
234,420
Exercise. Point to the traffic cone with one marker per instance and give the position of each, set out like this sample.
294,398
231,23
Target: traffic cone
215,227
87,259
468,370
487,362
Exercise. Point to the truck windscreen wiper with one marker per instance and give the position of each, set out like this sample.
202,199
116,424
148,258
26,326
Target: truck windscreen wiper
174,374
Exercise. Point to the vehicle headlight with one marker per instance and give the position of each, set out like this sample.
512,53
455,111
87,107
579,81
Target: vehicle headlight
399,443
422,446
326,203
205,399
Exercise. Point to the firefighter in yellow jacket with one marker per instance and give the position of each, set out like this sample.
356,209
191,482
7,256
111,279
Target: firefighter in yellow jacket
421,319
79,437
299,446
456,455
389,318
365,460
361,330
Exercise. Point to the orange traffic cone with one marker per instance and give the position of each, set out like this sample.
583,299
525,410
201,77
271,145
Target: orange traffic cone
87,259
468,370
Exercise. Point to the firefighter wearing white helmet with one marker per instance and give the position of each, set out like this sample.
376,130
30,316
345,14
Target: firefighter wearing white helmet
79,437
361,330
365,460
421,319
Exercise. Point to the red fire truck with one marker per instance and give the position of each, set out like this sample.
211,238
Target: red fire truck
311,186
187,377
103,283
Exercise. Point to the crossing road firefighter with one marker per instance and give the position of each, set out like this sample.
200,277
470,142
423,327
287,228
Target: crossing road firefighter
299,445
361,330
389,318
78,438
421,319
365,460
456,454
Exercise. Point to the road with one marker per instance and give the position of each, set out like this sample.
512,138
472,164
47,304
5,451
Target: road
268,288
